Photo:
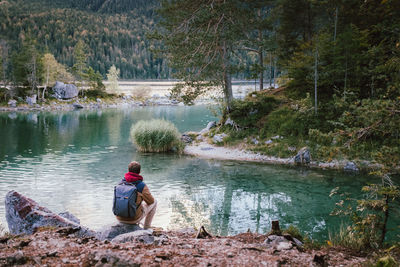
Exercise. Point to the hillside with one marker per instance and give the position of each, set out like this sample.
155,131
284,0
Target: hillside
114,32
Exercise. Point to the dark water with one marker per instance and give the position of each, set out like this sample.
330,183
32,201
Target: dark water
71,161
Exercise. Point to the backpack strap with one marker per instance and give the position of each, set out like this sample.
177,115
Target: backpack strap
140,186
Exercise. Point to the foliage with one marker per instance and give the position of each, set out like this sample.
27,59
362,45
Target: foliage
248,112
27,65
370,215
155,136
114,31
112,79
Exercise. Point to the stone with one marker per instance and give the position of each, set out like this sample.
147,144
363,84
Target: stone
209,126
284,246
12,103
291,148
268,142
230,122
276,137
111,231
31,100
98,100
303,156
25,216
143,236
219,138
65,91
351,167
186,139
70,216
255,141
77,106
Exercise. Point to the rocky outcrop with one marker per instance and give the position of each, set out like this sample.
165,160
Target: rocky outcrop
219,138
31,100
65,91
109,232
12,103
350,167
303,156
209,126
25,216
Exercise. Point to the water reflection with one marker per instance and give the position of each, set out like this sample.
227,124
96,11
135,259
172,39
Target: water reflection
72,160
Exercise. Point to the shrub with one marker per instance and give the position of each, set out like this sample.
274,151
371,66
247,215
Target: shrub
156,136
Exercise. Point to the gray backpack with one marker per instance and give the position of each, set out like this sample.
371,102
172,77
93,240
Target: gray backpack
124,204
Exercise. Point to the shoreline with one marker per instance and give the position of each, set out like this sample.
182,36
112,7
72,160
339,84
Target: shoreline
206,150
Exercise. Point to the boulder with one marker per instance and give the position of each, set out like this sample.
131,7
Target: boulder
144,236
65,91
209,126
303,156
31,100
110,231
351,167
12,103
24,216
219,138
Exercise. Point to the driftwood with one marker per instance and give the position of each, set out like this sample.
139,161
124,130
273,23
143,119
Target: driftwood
202,233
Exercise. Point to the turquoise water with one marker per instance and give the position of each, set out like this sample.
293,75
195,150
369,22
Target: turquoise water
71,161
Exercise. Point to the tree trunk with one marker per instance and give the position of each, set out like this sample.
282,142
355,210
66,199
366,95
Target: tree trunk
261,58
385,220
316,82
227,79
336,15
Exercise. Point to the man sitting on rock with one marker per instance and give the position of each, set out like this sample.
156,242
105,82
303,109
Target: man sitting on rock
146,204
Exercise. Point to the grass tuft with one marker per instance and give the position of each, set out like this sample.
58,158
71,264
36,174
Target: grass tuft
156,136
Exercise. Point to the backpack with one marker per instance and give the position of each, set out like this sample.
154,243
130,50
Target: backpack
124,204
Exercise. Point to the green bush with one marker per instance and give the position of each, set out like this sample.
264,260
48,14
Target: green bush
156,136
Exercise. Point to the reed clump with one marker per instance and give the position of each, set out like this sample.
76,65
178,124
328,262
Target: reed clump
156,135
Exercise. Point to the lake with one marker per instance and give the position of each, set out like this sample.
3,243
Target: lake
71,161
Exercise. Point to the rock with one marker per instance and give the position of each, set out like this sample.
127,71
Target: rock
274,240
351,167
12,103
291,148
186,139
276,137
219,138
17,258
31,100
321,259
255,141
70,217
143,236
268,142
230,122
65,91
297,242
206,148
24,216
209,126
77,106
284,246
111,231
98,100
303,156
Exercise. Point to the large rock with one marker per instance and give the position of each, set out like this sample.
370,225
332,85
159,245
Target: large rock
219,138
12,103
303,156
31,100
209,126
111,231
65,91
351,167
24,216
144,236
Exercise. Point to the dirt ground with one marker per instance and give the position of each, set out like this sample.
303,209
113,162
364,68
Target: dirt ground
60,247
